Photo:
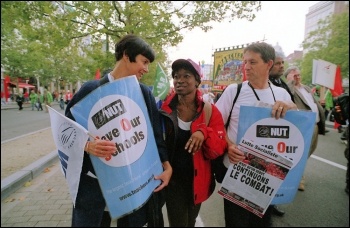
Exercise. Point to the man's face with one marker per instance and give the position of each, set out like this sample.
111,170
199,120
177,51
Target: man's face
294,75
278,68
255,67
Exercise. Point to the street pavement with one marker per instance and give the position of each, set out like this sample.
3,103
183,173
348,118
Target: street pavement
43,200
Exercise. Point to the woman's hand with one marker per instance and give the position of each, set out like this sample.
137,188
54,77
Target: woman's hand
101,148
195,142
164,176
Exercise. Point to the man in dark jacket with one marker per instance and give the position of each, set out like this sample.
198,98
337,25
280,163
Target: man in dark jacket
20,100
276,72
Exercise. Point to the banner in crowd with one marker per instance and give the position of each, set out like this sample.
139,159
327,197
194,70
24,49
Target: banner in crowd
289,137
70,139
338,83
253,182
161,85
323,73
117,112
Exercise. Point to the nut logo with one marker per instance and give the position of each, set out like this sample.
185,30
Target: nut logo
67,135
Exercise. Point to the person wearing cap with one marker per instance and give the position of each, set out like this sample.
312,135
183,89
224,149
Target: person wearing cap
258,59
194,134
133,57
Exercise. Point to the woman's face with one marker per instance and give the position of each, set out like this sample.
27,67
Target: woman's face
184,82
139,67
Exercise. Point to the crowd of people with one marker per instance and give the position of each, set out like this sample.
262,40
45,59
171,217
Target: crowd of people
37,99
189,128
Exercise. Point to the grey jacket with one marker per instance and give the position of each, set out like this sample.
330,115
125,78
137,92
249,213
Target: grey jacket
301,103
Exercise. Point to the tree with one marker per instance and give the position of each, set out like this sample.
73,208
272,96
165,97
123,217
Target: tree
158,22
330,43
31,43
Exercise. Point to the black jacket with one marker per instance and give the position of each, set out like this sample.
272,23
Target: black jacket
281,83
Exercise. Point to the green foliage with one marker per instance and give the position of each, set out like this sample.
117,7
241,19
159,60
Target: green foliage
329,43
44,38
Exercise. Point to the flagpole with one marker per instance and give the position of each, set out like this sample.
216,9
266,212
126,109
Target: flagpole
91,135
49,107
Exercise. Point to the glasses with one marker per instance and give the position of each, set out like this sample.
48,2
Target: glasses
297,76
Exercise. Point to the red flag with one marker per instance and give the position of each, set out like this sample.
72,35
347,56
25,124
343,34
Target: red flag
338,88
98,74
244,78
336,125
6,94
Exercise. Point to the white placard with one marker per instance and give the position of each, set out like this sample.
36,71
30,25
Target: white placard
323,73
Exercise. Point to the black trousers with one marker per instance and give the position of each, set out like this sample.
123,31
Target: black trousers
90,204
20,105
89,210
236,216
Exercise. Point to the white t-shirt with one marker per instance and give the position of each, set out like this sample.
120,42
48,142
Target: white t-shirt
245,97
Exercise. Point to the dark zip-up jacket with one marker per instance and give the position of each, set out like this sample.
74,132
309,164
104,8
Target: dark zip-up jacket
151,211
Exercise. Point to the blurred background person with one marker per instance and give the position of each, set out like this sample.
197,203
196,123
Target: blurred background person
40,101
26,96
68,96
208,96
47,99
328,101
61,98
305,100
20,100
33,97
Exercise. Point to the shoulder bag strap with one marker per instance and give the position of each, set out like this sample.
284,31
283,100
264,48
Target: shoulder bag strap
207,110
233,104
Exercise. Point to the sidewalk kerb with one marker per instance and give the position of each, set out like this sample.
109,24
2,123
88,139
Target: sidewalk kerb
15,181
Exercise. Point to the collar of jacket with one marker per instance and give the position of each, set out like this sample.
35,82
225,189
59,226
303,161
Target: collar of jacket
172,100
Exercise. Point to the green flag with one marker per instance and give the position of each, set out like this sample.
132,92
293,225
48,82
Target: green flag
161,85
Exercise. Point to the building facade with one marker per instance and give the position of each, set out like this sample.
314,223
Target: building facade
321,11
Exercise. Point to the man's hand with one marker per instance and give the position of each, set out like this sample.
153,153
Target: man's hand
280,108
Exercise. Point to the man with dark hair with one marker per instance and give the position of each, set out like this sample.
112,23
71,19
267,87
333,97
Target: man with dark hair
277,71
275,74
